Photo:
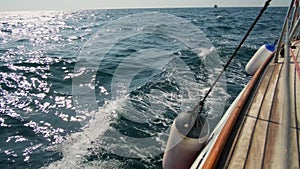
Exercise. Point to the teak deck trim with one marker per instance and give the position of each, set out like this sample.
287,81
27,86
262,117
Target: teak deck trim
218,147
255,144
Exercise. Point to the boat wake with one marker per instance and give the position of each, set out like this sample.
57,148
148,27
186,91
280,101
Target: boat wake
79,145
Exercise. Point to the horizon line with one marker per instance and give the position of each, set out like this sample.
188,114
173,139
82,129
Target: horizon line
113,8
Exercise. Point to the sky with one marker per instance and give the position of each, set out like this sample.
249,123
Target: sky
20,5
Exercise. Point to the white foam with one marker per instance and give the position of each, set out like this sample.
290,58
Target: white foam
76,146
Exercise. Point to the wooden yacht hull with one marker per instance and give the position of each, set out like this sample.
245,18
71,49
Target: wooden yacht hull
248,136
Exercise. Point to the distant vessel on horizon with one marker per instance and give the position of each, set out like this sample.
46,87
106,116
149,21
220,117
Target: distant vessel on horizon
215,6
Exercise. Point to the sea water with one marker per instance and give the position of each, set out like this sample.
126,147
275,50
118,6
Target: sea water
101,88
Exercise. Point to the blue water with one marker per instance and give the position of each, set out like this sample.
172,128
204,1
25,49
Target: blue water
100,88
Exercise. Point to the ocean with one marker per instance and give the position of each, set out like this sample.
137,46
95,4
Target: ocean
101,88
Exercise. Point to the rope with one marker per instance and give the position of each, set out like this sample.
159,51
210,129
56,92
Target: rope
201,103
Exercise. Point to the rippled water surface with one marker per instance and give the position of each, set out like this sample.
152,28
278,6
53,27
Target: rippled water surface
97,88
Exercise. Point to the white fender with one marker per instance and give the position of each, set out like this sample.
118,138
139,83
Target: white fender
259,58
185,141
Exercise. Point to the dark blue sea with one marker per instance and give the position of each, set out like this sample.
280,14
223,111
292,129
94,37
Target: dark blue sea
101,88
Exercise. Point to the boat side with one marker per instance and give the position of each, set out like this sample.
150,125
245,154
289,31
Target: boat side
254,139
220,135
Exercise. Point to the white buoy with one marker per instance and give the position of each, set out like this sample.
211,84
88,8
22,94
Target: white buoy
259,58
188,134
